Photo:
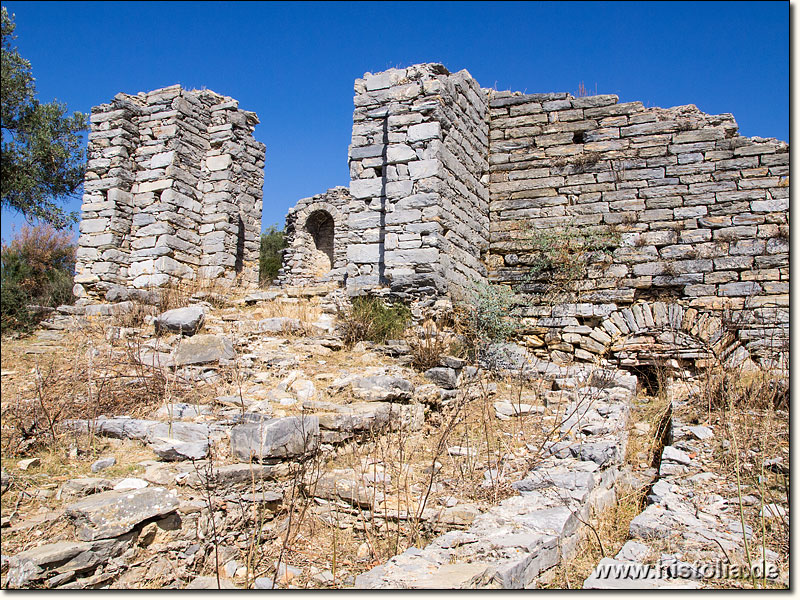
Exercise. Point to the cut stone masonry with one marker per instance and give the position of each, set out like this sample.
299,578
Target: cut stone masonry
173,192
452,183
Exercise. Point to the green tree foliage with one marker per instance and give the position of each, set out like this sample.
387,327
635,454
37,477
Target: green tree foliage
42,151
36,268
269,259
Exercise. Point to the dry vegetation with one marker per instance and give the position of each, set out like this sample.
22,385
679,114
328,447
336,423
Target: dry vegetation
462,451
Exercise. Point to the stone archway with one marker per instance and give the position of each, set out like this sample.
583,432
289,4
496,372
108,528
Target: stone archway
648,333
320,226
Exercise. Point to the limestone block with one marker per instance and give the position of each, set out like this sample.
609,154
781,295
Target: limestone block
366,188
218,163
424,131
399,153
363,253
420,169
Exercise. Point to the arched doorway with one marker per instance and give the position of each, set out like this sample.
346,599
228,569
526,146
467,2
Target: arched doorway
320,226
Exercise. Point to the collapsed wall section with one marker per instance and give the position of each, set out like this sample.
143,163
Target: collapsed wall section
690,212
418,216
172,192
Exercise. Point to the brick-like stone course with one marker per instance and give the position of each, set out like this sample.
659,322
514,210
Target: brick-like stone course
701,212
173,191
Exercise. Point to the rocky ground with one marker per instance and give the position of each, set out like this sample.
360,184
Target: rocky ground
238,443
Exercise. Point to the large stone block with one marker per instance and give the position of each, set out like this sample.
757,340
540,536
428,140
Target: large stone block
286,437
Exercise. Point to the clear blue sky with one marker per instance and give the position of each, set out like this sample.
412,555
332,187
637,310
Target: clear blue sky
294,63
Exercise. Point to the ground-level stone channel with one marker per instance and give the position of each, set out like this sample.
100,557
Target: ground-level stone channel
510,545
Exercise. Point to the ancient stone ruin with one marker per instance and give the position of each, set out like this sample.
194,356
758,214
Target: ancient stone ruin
674,228
454,185
173,192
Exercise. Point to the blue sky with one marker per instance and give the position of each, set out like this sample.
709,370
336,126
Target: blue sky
294,63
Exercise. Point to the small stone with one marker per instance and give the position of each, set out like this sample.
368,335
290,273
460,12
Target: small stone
230,568
262,583
364,551
286,573
323,577
131,483
444,377
103,463
673,454
209,582
185,320
701,432
29,463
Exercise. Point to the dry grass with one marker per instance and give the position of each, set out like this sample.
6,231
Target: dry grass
87,379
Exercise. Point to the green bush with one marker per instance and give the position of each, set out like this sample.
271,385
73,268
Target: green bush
562,254
488,318
36,268
269,259
370,319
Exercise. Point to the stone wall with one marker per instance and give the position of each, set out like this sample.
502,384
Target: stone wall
173,191
316,238
693,213
418,215
598,212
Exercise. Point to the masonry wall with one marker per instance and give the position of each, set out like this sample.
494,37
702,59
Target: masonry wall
172,192
306,261
418,219
700,214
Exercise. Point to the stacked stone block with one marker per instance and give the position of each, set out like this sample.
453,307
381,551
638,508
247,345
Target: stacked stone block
450,184
306,261
700,212
418,217
172,192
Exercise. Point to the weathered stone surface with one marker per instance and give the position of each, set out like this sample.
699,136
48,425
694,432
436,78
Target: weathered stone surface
276,438
103,463
110,514
73,557
84,486
181,320
203,349
208,582
443,377
381,388
130,241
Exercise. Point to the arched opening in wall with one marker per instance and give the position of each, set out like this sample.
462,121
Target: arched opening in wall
239,264
320,227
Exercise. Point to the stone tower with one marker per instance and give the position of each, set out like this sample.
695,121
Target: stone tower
173,191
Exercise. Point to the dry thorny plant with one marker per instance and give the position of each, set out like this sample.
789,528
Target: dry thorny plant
464,453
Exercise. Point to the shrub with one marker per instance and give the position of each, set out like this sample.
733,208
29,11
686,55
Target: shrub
427,347
561,255
371,319
489,317
269,259
36,268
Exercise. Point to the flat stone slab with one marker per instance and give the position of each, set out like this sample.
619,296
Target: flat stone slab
275,438
203,349
185,320
110,514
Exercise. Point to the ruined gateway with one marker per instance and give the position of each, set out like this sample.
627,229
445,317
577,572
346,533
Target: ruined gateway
449,185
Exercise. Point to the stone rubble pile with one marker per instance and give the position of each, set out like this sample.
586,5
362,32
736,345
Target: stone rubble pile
692,517
511,544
